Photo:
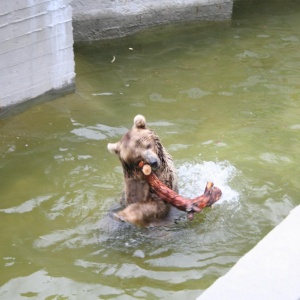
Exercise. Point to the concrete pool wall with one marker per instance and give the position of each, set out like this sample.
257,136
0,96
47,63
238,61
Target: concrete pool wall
95,20
269,271
36,53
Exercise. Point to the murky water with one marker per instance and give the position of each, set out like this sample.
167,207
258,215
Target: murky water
224,98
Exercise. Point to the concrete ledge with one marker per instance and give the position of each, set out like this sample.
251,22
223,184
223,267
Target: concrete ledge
96,20
271,270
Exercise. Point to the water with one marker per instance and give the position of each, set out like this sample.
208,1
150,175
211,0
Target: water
224,98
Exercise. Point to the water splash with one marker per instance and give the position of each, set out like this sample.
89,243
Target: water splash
194,176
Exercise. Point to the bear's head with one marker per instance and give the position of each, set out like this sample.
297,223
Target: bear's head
139,144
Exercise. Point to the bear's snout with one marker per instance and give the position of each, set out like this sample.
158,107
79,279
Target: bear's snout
152,159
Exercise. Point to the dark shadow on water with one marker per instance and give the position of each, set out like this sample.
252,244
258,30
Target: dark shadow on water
115,233
12,110
253,8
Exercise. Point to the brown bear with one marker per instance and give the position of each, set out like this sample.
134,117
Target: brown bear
142,206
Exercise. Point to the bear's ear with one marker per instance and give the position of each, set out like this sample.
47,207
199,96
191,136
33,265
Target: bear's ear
113,148
139,122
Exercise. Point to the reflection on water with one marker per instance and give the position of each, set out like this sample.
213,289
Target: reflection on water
224,99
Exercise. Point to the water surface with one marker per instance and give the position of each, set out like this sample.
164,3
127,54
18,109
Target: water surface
223,97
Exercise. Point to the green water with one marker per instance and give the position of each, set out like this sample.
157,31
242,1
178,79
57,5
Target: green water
224,98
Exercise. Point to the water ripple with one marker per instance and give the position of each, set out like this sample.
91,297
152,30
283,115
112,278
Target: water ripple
97,132
27,206
195,93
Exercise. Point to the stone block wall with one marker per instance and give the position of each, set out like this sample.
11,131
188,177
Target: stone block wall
36,53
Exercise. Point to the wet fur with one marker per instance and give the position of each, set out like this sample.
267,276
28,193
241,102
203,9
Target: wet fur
142,206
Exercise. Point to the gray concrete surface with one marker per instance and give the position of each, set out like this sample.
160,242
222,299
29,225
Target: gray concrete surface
104,19
271,270
36,53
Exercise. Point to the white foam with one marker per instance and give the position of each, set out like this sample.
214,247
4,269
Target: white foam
194,176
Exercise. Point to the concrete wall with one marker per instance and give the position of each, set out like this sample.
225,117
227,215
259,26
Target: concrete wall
103,19
36,53
269,271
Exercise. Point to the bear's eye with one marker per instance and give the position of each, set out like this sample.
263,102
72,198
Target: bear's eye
148,146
